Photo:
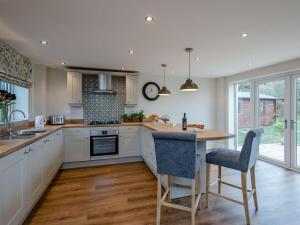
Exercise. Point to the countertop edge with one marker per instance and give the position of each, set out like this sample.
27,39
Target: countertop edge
54,128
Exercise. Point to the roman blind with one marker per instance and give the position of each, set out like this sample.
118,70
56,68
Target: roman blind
15,68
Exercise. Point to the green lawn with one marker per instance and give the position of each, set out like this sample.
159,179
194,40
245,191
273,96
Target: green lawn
271,135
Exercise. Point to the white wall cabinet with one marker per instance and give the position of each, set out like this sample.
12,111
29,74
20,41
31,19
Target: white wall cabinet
13,187
77,144
131,90
74,88
129,141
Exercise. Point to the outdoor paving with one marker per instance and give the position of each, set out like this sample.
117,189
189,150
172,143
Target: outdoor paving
276,151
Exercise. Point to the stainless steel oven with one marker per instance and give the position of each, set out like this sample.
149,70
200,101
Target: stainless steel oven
104,141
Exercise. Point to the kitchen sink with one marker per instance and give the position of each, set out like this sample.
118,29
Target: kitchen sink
25,134
31,132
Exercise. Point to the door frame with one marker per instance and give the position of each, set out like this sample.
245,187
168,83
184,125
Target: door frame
286,79
293,159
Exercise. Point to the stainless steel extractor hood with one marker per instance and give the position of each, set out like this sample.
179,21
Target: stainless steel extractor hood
104,84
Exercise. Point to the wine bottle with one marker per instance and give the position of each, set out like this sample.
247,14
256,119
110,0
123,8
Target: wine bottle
184,122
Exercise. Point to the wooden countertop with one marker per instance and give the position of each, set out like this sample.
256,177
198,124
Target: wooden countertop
10,146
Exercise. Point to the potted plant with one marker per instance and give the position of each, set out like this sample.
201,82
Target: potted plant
141,115
6,99
134,117
125,118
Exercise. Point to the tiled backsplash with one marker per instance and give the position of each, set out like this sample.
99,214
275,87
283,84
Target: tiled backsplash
103,106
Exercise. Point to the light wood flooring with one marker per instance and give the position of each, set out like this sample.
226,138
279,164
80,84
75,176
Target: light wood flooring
125,194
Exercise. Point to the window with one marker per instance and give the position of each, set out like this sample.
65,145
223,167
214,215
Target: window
21,102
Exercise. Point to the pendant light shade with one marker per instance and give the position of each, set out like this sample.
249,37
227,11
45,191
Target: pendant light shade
164,90
189,85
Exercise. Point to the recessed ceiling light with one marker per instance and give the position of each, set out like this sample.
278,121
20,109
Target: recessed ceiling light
244,35
131,52
197,59
123,68
43,42
62,63
148,19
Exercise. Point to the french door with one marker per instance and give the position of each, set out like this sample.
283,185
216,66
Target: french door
272,109
274,105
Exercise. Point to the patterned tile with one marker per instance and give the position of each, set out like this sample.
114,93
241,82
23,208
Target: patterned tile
103,106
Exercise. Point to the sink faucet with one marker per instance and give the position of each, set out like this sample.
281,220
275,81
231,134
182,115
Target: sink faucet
10,131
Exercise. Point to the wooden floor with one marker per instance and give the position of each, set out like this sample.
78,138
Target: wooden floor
126,195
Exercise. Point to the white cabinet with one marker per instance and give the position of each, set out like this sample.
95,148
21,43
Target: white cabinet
35,173
25,174
13,187
77,144
131,90
129,141
74,88
148,148
59,148
49,158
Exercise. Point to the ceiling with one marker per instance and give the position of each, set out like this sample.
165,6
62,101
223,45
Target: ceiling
99,33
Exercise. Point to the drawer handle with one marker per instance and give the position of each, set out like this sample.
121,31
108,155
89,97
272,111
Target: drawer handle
30,149
26,152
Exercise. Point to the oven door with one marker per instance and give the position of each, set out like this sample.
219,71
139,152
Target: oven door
104,145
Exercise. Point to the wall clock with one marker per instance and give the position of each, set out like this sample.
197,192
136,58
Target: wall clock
150,91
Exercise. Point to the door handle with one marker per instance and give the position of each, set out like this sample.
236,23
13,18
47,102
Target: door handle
293,124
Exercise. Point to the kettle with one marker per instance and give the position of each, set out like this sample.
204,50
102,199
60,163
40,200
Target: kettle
40,121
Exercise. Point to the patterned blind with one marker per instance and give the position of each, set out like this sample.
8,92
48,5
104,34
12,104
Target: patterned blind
14,67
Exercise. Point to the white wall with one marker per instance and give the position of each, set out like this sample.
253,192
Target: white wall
57,99
200,106
38,91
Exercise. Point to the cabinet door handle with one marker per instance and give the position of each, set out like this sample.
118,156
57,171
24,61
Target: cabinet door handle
26,152
30,149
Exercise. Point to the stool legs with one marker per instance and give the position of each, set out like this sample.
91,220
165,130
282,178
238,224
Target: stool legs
245,195
170,187
158,200
193,201
207,184
253,184
199,187
219,179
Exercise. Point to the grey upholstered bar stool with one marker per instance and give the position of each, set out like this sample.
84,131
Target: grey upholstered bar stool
176,155
241,161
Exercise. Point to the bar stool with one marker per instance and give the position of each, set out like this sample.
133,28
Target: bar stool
176,155
241,161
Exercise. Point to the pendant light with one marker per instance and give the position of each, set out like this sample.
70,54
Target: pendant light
189,85
164,90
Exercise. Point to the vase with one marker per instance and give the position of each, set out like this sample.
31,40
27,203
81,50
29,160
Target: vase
4,114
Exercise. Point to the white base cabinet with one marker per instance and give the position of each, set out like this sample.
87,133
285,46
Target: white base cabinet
35,173
13,187
24,176
129,141
77,144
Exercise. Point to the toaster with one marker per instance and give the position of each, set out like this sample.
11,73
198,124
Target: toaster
56,120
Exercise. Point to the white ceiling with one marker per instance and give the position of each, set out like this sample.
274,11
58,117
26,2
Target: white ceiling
99,33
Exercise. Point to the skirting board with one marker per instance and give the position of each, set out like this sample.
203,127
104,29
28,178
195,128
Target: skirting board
101,162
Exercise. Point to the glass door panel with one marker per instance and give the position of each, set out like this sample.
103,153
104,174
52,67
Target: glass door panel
271,113
243,107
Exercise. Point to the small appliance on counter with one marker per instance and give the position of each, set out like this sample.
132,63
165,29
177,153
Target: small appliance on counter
40,121
56,120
